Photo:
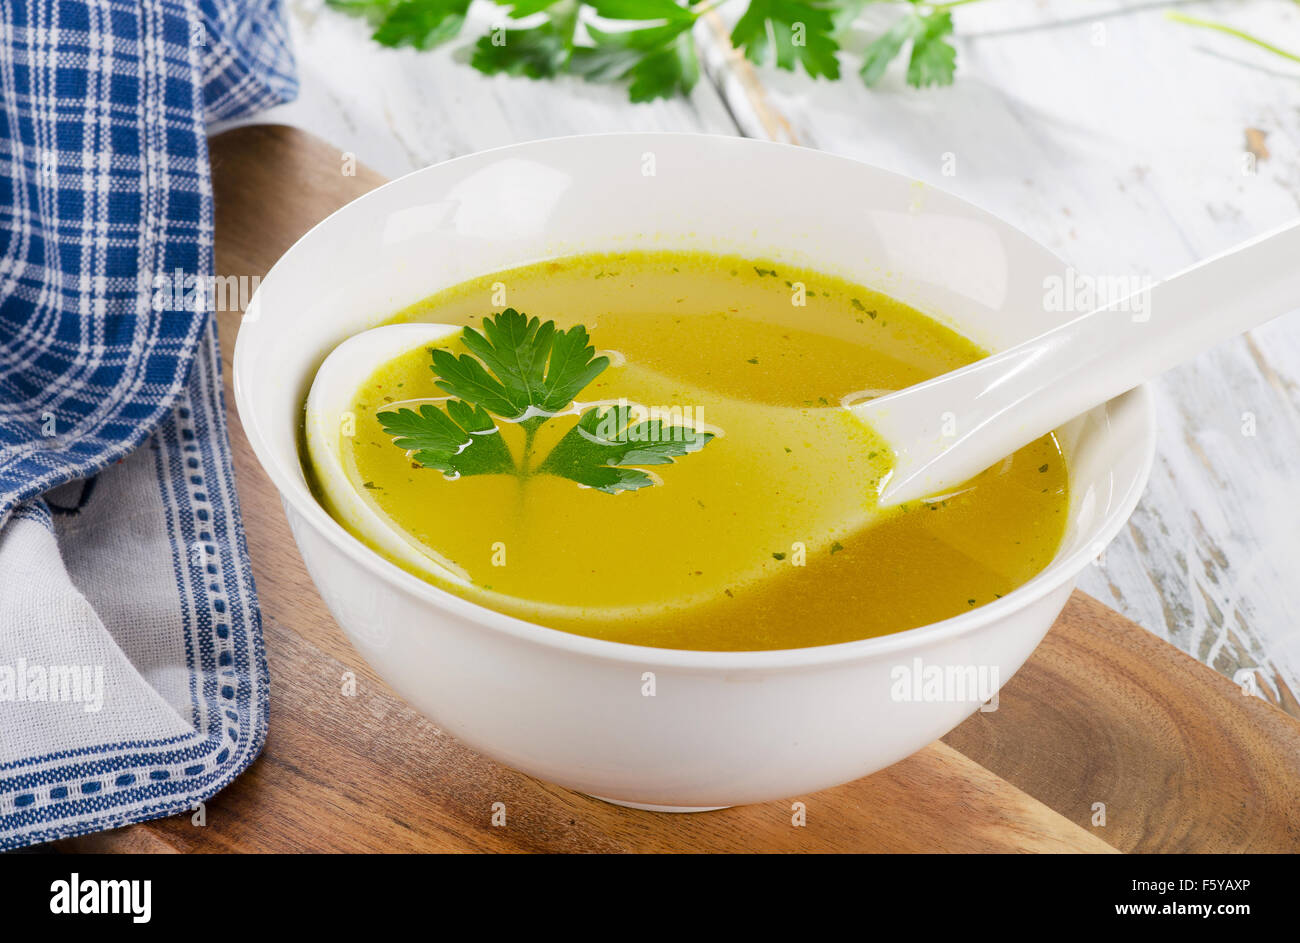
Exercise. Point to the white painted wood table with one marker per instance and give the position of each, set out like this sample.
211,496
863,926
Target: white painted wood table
1116,137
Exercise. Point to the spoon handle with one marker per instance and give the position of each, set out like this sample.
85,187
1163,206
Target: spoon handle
948,429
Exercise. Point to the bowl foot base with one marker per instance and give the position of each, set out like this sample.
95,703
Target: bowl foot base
647,807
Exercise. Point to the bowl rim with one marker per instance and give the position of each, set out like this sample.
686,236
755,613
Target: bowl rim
295,495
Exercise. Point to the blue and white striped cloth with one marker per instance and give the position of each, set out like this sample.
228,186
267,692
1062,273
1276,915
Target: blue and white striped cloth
132,678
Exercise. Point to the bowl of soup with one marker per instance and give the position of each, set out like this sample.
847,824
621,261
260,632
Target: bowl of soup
616,528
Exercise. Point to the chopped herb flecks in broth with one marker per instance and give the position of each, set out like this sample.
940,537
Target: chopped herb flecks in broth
669,463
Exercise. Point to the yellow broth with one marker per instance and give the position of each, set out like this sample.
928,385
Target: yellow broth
769,537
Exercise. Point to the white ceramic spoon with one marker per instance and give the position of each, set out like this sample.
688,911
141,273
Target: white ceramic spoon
333,392
949,429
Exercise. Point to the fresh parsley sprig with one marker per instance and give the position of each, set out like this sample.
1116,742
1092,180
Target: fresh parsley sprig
519,366
598,451
458,439
933,59
653,48
789,31
657,59
526,371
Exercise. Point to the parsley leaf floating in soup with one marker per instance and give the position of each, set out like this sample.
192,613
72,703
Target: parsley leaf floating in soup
597,451
528,372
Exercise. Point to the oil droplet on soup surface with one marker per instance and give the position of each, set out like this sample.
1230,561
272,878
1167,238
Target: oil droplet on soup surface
747,544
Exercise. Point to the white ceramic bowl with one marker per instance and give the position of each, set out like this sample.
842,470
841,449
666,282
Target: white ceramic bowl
721,728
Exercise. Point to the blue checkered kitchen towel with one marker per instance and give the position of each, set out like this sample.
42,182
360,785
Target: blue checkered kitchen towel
132,677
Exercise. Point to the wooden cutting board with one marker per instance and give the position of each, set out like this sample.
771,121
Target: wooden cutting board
1103,712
